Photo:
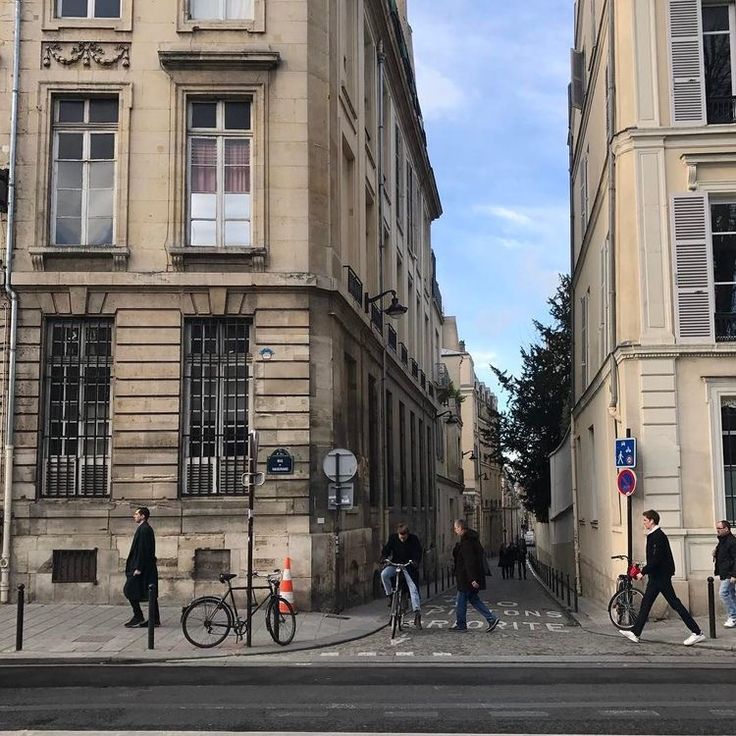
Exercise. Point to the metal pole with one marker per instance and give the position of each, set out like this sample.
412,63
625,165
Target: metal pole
711,609
338,498
575,594
152,595
251,502
629,521
568,590
20,616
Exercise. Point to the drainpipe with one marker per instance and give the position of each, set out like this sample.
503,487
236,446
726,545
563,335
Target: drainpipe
382,504
12,295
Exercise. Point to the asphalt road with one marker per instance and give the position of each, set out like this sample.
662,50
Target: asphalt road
395,699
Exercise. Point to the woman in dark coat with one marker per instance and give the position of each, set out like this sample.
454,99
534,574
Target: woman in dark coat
140,569
502,560
468,555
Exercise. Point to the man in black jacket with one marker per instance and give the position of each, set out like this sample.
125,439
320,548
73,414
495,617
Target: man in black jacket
660,567
724,557
140,568
469,573
404,547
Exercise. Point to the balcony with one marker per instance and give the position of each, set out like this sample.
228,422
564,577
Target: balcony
403,353
721,110
355,286
423,380
414,368
725,324
377,317
441,376
392,338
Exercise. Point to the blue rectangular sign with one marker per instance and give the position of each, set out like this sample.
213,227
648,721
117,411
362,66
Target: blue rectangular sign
625,453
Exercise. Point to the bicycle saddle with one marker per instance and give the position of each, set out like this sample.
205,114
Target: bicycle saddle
225,576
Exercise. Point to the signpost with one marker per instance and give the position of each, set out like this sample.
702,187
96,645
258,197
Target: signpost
339,466
624,458
626,482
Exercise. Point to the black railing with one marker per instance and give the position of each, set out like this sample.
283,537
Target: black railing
392,338
422,380
721,110
414,368
725,324
355,286
559,583
377,317
403,353
437,294
430,391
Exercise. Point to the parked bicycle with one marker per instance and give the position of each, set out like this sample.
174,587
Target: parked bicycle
400,604
208,620
623,608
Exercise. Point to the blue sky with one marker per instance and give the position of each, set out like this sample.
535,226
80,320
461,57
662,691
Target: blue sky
492,78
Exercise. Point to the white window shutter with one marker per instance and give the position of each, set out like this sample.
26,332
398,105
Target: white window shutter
694,300
686,62
577,66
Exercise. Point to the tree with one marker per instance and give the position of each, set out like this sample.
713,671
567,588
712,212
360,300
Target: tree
538,408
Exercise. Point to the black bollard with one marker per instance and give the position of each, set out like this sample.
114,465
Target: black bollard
711,609
575,593
151,614
568,590
19,619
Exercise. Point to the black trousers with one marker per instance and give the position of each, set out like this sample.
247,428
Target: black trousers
655,586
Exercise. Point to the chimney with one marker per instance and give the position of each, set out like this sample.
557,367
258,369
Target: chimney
461,343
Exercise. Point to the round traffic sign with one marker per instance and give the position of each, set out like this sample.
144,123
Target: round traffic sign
626,481
340,465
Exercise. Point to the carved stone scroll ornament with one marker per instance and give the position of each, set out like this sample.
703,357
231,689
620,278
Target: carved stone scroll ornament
86,52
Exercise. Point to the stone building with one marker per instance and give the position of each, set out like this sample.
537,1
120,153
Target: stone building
653,176
218,207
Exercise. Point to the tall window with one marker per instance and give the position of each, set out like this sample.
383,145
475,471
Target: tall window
584,340
88,8
83,178
215,406
728,428
718,49
221,9
402,455
391,490
76,430
413,458
422,468
399,177
374,457
220,140
723,228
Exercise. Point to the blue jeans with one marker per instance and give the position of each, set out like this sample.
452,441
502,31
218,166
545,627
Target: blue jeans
461,607
389,573
728,596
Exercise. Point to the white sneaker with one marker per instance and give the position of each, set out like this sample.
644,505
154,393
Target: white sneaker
630,635
694,639
730,623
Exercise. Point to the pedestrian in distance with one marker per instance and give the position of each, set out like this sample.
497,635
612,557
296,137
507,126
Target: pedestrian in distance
724,559
502,561
660,568
468,555
403,547
521,556
140,569
512,553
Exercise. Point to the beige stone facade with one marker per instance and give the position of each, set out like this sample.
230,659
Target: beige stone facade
654,187
205,206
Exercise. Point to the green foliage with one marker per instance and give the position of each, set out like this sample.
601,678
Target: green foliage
538,408
445,394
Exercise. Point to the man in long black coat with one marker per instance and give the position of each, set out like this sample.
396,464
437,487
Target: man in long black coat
660,568
140,568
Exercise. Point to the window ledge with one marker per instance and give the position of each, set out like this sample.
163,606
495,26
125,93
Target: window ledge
186,60
256,257
118,256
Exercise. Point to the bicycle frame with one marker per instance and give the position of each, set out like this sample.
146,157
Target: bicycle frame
240,625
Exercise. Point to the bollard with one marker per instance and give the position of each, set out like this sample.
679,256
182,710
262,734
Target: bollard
19,619
428,581
711,609
151,614
568,590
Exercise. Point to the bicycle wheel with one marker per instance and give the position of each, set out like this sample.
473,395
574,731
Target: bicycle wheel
280,620
395,615
207,621
623,608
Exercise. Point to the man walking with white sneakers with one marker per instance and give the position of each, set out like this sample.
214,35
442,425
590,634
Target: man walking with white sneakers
724,558
660,568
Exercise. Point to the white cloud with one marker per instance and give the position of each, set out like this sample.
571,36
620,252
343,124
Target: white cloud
440,96
504,213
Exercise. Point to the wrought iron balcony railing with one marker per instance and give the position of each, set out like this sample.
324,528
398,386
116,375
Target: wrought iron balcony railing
377,317
355,286
403,353
392,338
725,324
721,110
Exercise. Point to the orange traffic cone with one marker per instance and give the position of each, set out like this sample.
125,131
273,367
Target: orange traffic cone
286,589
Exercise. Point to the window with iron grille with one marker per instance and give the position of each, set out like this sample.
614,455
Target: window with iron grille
215,406
76,431
74,566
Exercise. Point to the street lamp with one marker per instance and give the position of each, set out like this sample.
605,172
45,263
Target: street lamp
471,453
451,418
395,310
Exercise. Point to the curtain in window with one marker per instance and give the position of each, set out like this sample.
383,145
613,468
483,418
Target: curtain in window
237,167
204,165
238,9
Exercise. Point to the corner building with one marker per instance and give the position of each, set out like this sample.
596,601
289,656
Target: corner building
653,177
209,195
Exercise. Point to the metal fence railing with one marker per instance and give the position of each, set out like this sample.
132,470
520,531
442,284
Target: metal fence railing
559,583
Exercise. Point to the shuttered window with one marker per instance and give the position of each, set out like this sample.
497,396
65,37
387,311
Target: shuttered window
693,268
686,63
723,228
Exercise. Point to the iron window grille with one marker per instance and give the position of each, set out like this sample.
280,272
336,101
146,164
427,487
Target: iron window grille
215,407
75,440
74,566
392,338
404,353
414,368
422,380
355,286
377,317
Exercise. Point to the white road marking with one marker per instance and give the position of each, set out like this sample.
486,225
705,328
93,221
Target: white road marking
727,713
404,654
442,654
629,712
329,654
367,654
400,640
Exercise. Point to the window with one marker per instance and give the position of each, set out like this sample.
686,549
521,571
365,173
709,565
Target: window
88,8
399,177
723,227
584,341
374,457
76,430
219,173
728,430
83,177
215,406
369,85
402,455
413,458
718,50
584,210
422,467
221,9
605,301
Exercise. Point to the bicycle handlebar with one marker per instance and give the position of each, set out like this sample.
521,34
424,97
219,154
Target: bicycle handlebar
399,565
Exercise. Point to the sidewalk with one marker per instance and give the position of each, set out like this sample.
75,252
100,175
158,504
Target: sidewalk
67,632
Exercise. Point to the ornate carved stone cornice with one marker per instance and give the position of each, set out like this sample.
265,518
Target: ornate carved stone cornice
85,52
187,60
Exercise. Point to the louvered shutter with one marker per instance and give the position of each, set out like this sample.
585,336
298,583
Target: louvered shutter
686,61
694,299
577,72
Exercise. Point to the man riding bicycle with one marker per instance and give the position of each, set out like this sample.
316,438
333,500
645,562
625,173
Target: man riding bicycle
402,548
